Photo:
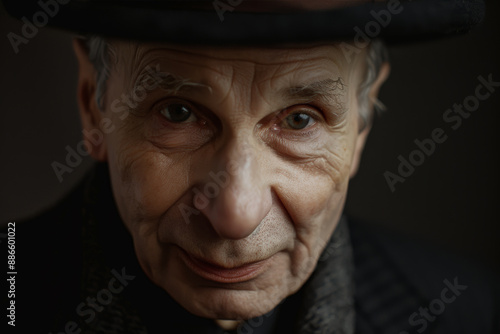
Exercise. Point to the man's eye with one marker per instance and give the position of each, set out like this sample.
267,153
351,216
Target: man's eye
298,121
178,113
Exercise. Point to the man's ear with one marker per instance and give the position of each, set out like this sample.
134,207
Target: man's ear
383,74
90,113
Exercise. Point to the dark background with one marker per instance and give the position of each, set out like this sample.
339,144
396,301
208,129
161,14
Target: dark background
451,200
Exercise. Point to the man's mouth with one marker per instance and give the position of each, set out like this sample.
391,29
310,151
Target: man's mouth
221,274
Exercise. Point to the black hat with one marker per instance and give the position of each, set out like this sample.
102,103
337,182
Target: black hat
244,22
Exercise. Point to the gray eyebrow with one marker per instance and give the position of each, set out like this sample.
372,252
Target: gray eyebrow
172,84
324,89
328,91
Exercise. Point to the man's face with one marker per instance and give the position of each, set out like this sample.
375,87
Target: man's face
231,174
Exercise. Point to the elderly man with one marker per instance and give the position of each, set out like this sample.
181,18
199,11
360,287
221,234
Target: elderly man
225,154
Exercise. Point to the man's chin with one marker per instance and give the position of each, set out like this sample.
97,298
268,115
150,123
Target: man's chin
239,300
227,304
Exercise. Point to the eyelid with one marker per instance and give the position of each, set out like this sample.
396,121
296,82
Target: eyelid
159,106
311,111
205,118
172,100
307,109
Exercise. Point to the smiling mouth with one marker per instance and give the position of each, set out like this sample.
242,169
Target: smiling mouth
220,274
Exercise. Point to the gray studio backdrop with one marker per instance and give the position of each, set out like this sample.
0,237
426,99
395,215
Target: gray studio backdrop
451,199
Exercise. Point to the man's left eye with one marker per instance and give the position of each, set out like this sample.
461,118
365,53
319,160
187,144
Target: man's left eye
298,121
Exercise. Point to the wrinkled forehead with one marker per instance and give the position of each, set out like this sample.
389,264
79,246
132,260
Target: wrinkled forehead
282,60
260,55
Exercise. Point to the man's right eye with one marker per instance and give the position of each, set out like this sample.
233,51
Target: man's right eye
178,113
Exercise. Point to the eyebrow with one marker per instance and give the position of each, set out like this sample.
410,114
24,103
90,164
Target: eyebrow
324,89
327,91
168,82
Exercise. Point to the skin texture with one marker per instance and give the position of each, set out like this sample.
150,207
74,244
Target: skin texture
285,188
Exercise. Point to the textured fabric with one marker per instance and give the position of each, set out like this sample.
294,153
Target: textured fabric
384,297
328,303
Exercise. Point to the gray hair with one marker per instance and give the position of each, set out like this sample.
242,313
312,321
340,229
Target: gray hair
376,56
101,52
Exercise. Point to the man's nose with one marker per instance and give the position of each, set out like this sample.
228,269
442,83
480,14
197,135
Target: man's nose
235,197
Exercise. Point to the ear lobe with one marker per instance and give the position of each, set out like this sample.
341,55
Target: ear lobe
90,113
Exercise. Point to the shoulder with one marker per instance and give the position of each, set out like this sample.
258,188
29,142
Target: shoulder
414,286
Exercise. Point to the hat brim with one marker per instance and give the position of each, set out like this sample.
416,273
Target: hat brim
394,21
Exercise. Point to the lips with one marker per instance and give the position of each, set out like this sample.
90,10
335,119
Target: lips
217,273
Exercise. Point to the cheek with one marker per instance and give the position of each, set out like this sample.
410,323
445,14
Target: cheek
314,194
146,182
313,189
